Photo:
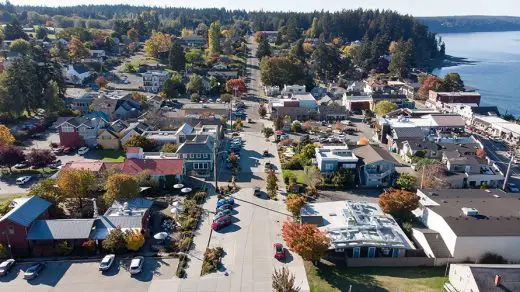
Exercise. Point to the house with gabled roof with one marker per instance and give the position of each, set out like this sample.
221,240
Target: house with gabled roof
76,73
79,131
15,224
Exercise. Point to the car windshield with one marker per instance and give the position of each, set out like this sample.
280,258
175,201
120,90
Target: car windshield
105,260
32,268
4,264
279,248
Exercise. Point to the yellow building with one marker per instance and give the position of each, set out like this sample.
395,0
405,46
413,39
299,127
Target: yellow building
108,139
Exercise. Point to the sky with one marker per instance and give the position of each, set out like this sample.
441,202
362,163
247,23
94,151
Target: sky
413,7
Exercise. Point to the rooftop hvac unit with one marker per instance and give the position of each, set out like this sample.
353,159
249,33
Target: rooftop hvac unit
470,211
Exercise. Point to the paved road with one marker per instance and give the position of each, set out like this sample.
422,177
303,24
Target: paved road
497,152
68,276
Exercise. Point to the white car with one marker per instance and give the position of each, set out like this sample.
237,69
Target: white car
83,150
107,262
136,265
23,179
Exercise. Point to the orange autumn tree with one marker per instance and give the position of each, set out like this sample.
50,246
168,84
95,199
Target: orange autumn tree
429,83
295,203
398,202
77,49
238,83
306,240
6,138
481,153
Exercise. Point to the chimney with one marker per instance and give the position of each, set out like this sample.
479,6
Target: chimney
498,279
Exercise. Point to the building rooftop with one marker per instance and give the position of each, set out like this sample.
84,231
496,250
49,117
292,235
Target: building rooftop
497,212
352,224
154,166
61,229
341,153
370,153
221,106
484,276
404,133
26,210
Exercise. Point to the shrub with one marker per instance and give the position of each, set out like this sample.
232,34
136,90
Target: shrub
64,248
89,245
4,252
293,164
184,244
287,177
200,197
492,258
212,258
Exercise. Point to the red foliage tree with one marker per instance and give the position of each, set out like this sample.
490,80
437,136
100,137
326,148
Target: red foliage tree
258,36
398,202
11,155
40,158
237,84
481,153
101,81
306,240
430,83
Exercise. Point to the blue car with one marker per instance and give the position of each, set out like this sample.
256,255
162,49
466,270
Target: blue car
228,201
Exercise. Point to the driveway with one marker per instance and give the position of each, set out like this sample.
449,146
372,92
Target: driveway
70,276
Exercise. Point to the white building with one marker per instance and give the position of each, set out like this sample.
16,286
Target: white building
483,278
76,74
357,229
294,89
97,53
331,158
272,90
498,128
466,224
154,80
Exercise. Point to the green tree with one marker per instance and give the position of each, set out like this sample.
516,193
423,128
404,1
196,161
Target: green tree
262,111
120,186
407,181
176,58
452,82
174,87
169,148
268,132
343,178
327,62
158,43
297,50
384,107
402,58
48,190
315,29
194,84
214,38
140,141
278,71
13,30
272,185
264,48
20,46
115,242
195,57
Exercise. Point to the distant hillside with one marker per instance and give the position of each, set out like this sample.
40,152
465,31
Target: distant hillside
444,24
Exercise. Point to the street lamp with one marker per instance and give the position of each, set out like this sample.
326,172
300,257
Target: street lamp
215,157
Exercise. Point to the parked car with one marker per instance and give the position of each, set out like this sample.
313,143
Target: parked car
224,207
83,150
512,188
266,153
107,262
136,265
221,222
6,266
222,214
58,150
33,271
257,191
267,166
228,200
21,165
279,251
67,150
23,179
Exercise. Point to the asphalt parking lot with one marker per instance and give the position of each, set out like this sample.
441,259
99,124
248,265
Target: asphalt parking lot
68,276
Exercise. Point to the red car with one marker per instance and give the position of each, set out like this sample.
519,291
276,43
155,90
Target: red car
279,251
221,222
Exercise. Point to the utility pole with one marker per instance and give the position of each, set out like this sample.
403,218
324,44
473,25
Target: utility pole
215,165
508,173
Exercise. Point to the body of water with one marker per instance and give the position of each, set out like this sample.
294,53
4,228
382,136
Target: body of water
496,68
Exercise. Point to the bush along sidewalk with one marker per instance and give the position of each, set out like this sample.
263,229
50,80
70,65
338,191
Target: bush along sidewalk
212,260
188,220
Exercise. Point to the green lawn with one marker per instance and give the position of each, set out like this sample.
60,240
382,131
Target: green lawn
401,279
110,155
299,174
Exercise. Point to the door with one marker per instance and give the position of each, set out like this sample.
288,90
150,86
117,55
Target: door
395,253
371,252
357,252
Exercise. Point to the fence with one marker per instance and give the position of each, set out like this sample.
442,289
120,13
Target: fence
390,262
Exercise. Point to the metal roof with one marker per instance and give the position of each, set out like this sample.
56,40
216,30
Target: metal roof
104,224
26,210
61,229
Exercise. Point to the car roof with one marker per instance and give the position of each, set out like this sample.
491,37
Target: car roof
135,262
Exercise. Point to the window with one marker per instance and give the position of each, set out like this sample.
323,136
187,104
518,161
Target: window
198,155
185,155
329,166
67,129
395,253
205,155
357,252
371,252
192,155
200,166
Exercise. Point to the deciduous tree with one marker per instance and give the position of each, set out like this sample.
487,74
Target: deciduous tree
77,49
272,184
194,84
306,240
10,155
430,82
48,190
407,181
295,203
101,81
384,107
20,46
134,240
158,43
115,242
268,132
236,86
6,138
140,141
214,38
121,186
77,184
169,148
284,281
481,153
40,157
174,87
398,202
312,177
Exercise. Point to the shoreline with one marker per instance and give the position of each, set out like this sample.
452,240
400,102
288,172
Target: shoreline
449,61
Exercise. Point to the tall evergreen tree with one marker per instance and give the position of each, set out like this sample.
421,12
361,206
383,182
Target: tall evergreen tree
264,48
401,58
214,38
177,58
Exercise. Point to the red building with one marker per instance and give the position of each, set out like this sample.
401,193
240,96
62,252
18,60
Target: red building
15,225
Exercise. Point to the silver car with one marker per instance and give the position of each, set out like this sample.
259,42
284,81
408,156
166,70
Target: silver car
222,214
33,271
6,266
136,265
107,262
